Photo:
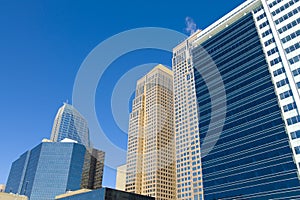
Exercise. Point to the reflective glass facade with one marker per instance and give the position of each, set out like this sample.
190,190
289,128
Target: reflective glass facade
252,158
51,169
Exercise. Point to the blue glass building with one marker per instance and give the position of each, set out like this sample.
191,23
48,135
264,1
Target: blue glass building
52,168
252,158
69,123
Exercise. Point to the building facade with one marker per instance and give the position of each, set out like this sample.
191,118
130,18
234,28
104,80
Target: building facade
121,178
102,194
188,162
150,157
246,77
52,168
69,123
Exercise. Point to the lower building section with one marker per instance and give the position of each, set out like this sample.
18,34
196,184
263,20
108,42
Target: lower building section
7,196
102,194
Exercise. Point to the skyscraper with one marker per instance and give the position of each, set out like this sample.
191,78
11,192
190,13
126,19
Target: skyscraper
246,78
69,123
52,168
188,162
150,157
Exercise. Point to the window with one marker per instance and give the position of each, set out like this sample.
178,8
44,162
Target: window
291,36
286,94
261,16
259,9
288,15
275,61
289,26
282,83
274,3
293,48
278,71
289,107
296,72
270,41
295,134
267,32
294,60
272,51
297,149
264,24
293,120
285,6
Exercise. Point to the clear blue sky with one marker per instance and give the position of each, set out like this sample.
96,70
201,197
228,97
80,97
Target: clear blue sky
43,43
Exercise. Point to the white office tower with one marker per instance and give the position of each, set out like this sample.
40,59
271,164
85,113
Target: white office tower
69,123
278,24
256,50
150,156
187,141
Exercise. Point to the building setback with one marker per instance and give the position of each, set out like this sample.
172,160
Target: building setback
52,168
246,79
150,156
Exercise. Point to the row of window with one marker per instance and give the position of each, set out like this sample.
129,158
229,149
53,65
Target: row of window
289,107
288,15
263,24
258,9
278,71
261,16
295,134
275,61
285,6
289,26
293,47
285,94
296,72
274,3
270,41
294,60
267,32
282,83
293,120
291,36
272,51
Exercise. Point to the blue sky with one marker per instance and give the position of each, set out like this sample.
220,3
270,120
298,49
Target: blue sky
43,43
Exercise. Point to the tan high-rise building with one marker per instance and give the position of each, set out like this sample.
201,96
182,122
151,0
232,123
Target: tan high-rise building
151,151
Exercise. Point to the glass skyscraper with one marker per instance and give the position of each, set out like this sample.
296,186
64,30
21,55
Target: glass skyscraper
250,116
69,123
52,168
